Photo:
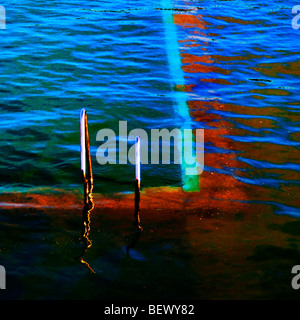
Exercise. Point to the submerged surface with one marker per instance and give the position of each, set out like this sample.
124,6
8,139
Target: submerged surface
188,249
232,66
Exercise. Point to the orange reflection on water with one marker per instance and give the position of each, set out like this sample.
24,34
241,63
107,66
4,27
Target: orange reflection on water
219,81
235,20
216,136
274,69
191,58
254,121
212,185
189,21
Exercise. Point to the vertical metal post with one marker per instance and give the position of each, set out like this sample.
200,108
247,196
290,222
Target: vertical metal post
137,197
137,179
87,178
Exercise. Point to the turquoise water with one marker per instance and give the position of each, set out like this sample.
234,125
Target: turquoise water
233,65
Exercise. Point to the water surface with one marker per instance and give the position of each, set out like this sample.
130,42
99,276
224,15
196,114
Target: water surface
231,67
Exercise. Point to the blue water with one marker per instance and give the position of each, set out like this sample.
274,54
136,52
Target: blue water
239,80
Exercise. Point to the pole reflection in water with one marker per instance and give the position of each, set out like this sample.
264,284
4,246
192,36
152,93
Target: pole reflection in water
87,208
137,222
87,178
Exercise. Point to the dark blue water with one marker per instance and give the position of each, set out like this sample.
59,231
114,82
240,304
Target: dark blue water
239,80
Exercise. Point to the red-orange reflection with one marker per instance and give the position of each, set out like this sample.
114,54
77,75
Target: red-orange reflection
225,157
189,21
213,185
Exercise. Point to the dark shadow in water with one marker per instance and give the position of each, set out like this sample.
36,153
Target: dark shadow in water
265,252
138,229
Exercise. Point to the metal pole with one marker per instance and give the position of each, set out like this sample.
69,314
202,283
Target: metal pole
137,181
87,178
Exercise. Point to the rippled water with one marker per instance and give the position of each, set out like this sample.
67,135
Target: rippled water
241,62
240,68
59,58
